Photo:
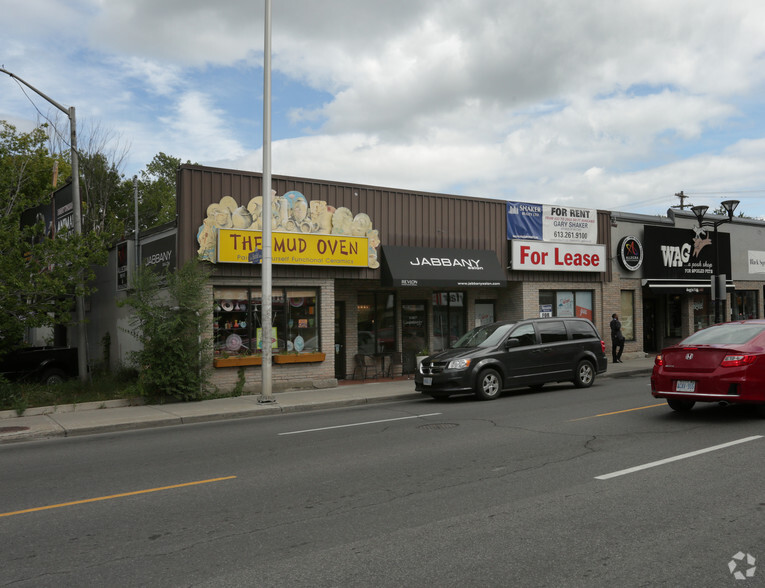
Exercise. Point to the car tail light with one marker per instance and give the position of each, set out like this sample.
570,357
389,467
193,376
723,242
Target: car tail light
659,361
602,346
737,360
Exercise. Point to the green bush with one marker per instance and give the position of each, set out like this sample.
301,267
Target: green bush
170,320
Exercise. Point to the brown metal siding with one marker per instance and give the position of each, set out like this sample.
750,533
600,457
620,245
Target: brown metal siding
414,219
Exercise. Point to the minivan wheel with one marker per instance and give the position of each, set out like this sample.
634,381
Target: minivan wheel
489,385
584,375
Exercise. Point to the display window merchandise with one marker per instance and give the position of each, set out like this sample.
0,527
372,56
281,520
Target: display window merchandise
237,321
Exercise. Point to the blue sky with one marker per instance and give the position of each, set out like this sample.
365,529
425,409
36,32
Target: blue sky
614,105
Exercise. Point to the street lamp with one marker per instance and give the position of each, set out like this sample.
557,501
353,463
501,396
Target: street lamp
82,341
718,285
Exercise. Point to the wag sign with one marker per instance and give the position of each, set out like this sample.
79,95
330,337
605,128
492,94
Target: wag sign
244,246
559,257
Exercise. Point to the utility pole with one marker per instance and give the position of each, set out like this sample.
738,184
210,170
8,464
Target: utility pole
682,205
266,395
82,340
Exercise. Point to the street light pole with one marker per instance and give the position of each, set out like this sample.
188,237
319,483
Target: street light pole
82,340
718,284
266,395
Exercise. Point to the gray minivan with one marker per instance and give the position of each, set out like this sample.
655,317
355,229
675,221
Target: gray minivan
514,354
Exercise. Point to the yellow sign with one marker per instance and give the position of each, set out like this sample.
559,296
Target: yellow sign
243,246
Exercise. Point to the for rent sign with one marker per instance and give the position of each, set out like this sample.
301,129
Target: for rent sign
244,246
560,257
543,222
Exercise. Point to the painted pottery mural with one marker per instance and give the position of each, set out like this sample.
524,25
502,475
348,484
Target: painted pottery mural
290,213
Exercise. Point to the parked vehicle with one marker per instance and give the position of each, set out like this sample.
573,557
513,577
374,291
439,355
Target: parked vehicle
47,365
513,354
723,363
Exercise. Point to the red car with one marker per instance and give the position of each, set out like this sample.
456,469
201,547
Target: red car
723,363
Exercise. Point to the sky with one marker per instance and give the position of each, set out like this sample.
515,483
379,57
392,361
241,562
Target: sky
617,105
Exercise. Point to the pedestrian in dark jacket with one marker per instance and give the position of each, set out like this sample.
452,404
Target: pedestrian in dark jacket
617,338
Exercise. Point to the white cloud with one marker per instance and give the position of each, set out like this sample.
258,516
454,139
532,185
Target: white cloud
611,103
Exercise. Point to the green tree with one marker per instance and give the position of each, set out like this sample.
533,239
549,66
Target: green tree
720,210
40,276
170,321
156,187
107,198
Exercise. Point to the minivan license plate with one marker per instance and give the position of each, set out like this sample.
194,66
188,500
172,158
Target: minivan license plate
685,386
427,381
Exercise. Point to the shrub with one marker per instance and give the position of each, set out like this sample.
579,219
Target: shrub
170,320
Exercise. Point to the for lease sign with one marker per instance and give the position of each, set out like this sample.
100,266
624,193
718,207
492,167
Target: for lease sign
560,257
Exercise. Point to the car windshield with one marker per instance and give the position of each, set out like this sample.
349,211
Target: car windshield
484,336
727,334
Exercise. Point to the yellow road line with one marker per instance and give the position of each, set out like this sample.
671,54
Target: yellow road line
39,508
617,412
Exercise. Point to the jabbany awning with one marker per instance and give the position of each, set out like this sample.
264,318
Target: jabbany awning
439,268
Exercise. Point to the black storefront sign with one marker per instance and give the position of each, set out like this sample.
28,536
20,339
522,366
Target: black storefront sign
159,255
441,268
684,260
64,209
123,265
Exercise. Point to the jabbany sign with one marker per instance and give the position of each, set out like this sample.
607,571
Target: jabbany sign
244,246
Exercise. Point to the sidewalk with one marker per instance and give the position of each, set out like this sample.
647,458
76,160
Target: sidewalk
118,415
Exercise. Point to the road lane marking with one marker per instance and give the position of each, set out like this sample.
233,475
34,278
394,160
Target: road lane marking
617,412
112,496
417,416
654,464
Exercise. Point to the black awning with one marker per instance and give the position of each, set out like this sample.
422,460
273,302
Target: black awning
681,286
441,268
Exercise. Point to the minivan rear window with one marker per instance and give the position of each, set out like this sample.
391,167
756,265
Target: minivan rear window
580,330
552,331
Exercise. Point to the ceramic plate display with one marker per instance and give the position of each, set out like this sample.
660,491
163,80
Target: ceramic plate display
233,342
296,302
290,346
243,324
299,343
227,305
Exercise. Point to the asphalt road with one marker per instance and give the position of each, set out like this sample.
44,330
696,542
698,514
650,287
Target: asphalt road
557,488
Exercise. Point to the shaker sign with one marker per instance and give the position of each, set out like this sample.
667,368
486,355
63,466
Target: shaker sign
565,257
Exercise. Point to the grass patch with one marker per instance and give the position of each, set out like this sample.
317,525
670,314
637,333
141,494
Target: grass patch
120,384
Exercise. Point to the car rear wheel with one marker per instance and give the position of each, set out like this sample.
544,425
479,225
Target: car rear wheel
489,385
584,375
680,405
53,377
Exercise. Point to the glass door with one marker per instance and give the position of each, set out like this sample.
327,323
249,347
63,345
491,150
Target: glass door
414,331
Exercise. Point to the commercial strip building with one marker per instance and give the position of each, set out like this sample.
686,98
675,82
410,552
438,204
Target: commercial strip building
363,270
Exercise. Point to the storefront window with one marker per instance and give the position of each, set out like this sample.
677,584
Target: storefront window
376,325
627,314
744,305
302,330
449,318
484,312
674,320
565,303
237,326
703,311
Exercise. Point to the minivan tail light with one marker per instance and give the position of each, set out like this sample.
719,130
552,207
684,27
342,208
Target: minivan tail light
737,360
602,346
